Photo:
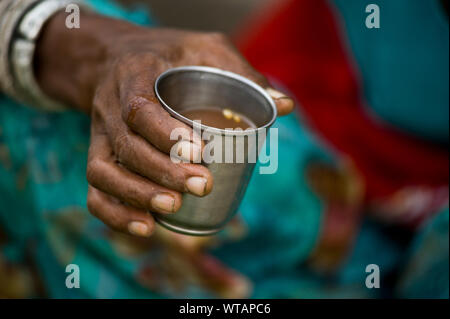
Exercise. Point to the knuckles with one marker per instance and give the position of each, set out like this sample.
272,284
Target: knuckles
217,37
132,107
93,201
123,144
94,170
133,63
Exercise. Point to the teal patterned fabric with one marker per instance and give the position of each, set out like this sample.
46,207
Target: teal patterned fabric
426,271
44,216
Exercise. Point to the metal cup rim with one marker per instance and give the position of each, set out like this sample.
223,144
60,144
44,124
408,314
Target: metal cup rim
223,73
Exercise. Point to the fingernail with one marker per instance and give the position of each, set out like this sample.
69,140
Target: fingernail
189,151
276,94
241,288
285,104
139,229
164,202
197,185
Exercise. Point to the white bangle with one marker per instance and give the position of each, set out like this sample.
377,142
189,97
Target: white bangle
11,13
22,51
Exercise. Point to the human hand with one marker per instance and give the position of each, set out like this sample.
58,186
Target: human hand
108,69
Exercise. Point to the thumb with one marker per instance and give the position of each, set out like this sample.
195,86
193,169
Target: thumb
284,103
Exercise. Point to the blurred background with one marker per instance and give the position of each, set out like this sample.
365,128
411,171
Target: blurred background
357,209
221,15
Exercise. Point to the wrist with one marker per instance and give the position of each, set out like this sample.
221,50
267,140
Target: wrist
69,63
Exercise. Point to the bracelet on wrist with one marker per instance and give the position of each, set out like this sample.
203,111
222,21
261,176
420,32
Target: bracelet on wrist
23,22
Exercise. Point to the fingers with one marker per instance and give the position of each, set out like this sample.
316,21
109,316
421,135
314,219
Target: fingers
118,216
145,116
110,177
138,155
227,57
141,157
284,104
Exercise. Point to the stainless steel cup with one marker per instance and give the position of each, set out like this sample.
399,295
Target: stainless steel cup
183,88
